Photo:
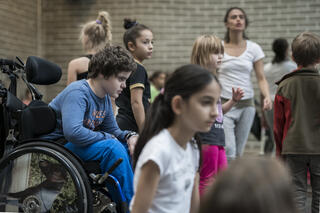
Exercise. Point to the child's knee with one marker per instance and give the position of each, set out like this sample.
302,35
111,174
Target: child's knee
117,149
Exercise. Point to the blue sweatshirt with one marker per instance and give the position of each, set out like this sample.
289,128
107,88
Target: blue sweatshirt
82,117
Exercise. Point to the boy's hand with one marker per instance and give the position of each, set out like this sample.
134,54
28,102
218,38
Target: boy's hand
237,94
132,141
267,104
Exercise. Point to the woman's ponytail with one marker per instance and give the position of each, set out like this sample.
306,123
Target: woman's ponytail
105,20
95,35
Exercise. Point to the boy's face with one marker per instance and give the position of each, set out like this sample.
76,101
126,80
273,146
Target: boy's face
114,84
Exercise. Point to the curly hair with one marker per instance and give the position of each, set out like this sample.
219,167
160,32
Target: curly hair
111,61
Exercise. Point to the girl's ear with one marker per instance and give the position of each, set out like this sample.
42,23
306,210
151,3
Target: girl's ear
176,104
131,46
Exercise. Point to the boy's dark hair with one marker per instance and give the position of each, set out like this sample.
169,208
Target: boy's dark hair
225,20
185,81
111,61
133,29
280,48
306,49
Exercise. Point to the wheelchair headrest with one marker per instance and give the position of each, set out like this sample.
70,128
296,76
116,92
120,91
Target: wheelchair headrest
42,72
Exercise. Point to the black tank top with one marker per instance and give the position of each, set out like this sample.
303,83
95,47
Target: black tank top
84,75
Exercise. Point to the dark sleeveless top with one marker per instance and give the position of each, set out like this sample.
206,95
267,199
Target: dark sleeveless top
84,75
138,78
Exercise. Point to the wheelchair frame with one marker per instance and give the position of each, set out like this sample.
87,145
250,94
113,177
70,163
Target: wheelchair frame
90,186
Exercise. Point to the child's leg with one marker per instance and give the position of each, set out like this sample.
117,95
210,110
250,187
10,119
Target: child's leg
108,152
242,128
209,166
314,169
269,119
298,165
229,121
222,159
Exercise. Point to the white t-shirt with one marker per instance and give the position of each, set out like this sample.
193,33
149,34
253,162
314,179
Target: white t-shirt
177,167
274,72
236,71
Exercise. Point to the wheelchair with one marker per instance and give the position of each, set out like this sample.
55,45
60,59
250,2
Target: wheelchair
43,176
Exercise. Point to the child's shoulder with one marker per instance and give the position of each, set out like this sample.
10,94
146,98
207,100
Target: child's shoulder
158,149
161,139
160,143
78,89
81,86
295,76
141,67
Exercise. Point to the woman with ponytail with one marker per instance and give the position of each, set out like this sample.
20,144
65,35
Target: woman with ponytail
167,154
274,71
94,36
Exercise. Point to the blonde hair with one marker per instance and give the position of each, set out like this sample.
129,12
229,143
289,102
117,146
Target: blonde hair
203,46
95,35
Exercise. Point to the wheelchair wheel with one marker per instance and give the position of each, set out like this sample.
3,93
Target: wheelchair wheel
43,177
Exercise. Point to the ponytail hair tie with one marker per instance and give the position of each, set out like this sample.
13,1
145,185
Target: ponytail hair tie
129,24
98,21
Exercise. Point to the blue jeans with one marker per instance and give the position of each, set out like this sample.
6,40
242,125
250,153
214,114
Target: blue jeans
237,124
107,152
299,166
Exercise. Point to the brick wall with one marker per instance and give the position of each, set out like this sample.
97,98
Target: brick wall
175,23
18,30
18,24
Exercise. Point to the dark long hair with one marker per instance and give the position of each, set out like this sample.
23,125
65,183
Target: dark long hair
185,81
133,29
225,20
280,47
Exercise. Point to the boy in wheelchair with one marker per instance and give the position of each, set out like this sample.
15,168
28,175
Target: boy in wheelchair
85,117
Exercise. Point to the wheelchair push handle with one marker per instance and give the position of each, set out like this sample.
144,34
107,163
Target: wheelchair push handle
113,167
4,62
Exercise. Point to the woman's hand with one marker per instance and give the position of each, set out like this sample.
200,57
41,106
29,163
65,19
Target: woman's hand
267,104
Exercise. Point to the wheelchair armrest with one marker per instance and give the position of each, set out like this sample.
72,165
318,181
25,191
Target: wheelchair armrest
13,103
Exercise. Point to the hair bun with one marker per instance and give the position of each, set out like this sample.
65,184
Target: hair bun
128,23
